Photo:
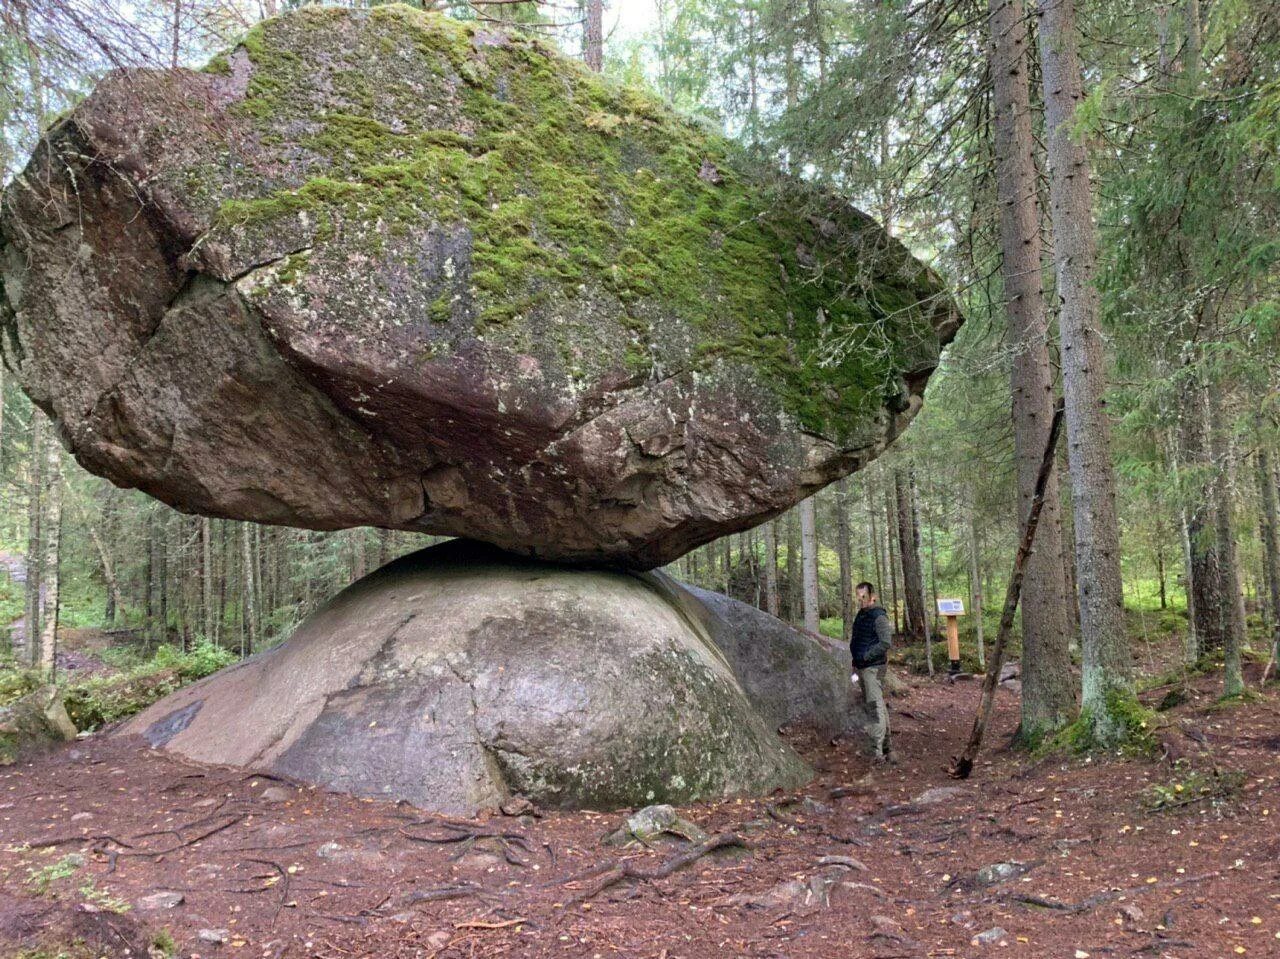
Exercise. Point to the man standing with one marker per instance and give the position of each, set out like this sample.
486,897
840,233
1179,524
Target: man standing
872,637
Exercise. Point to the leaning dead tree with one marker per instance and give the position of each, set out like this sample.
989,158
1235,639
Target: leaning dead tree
964,764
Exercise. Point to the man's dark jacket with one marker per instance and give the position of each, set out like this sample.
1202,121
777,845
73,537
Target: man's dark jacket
872,637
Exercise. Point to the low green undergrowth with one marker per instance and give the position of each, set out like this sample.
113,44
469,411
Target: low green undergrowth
43,880
106,698
96,700
1189,787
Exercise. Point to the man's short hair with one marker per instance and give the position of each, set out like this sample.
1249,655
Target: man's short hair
869,587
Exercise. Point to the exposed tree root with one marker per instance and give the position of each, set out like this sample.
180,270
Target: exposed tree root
1102,898
612,875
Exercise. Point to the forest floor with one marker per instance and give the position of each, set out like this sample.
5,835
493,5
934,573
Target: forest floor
261,867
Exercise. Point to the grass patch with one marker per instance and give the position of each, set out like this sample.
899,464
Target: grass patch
42,880
102,899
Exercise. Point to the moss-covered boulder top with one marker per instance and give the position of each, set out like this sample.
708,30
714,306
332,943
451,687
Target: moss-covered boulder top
386,268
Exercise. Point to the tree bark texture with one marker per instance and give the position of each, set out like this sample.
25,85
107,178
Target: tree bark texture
845,547
1048,697
909,550
1107,668
809,554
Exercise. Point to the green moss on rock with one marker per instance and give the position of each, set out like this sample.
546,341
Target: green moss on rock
572,187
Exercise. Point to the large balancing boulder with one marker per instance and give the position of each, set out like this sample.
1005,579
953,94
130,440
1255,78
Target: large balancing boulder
459,675
380,267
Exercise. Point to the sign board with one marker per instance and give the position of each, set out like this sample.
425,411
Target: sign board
951,607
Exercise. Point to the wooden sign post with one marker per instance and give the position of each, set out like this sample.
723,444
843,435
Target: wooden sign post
952,609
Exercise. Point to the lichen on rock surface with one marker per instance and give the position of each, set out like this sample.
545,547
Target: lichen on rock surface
385,268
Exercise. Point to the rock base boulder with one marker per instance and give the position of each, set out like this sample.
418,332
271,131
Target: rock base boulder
33,724
459,676
791,677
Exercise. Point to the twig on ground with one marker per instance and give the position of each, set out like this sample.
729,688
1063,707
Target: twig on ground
486,924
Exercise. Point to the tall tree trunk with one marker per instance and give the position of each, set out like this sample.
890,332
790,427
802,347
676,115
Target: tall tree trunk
160,543
771,568
795,578
249,604
593,35
108,573
817,35
1208,605
809,554
909,551
206,581
975,587
877,543
891,535
358,568
51,574
1161,573
1228,568
32,605
1048,699
1107,671
224,570
1270,543
175,34
846,559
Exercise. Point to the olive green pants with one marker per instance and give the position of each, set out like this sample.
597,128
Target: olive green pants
871,679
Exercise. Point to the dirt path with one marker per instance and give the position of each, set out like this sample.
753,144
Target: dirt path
287,871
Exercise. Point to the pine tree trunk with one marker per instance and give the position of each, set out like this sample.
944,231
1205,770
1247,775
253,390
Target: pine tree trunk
206,581
249,603
809,554
1161,574
51,572
909,551
877,542
845,546
1270,543
1048,699
975,587
1107,671
32,604
161,545
771,599
224,572
1208,605
795,579
1228,568
108,573
358,569
891,535
593,35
